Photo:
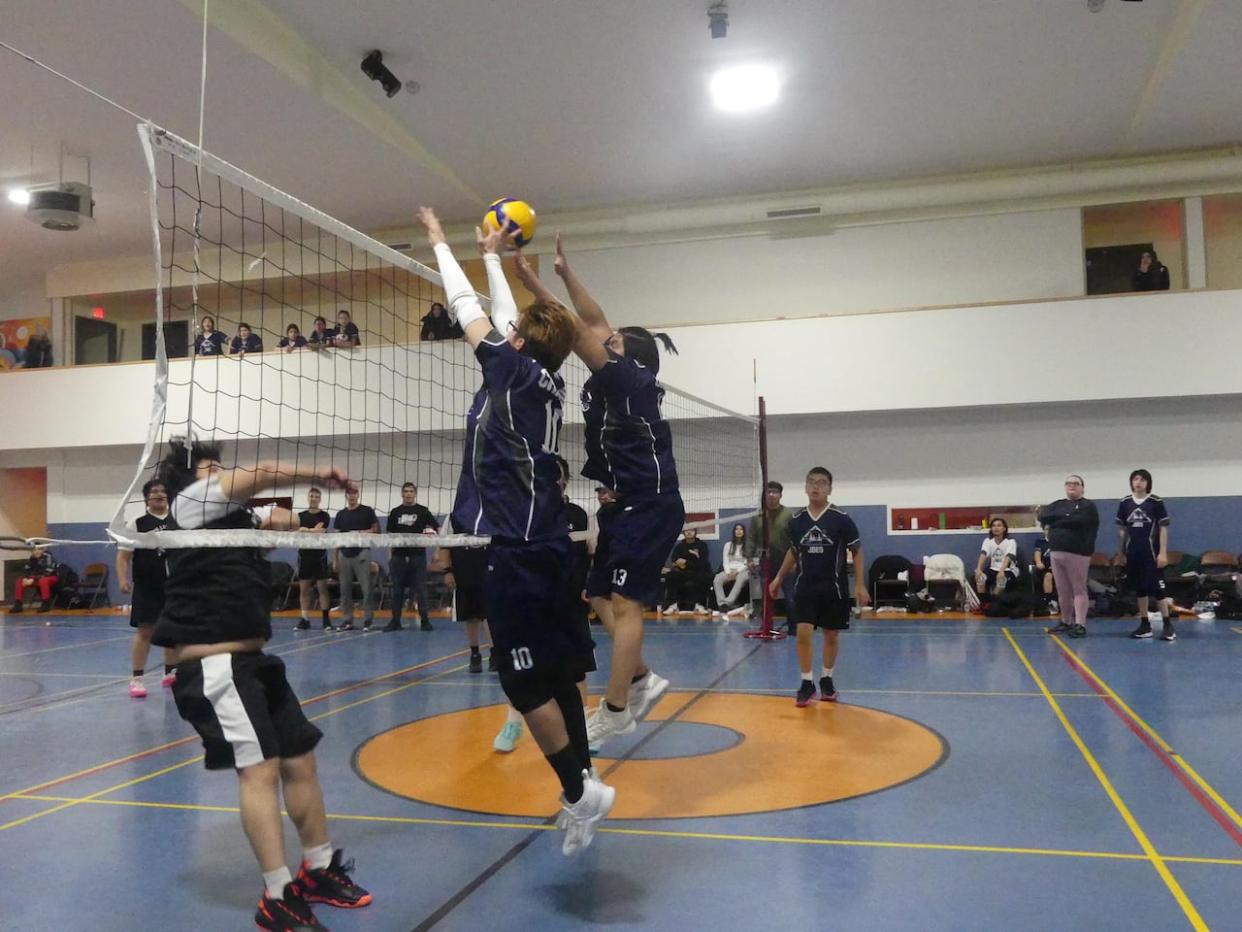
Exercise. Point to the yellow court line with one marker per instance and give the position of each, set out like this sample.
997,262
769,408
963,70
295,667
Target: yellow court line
1154,735
656,833
1192,914
159,773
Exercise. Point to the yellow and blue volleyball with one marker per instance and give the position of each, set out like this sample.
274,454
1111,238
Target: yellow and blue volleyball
512,216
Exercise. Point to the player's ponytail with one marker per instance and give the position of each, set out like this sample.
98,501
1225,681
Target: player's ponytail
641,346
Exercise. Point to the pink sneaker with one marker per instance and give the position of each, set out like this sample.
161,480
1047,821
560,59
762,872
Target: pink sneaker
169,679
137,690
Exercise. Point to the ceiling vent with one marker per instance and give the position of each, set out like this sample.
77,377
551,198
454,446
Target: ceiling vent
63,208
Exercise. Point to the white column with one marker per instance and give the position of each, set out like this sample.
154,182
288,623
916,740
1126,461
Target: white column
1196,248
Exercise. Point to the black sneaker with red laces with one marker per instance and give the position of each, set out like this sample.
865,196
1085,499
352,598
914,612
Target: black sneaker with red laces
332,884
290,913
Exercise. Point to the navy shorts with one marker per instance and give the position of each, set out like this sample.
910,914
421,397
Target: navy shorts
1144,577
313,565
823,609
525,590
636,535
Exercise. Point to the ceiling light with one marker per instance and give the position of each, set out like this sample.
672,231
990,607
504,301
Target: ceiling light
745,87
19,196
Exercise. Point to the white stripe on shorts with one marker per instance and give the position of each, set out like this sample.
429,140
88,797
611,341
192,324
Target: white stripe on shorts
222,693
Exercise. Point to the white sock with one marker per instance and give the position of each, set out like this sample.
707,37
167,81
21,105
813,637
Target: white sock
828,671
513,716
275,881
318,857
806,675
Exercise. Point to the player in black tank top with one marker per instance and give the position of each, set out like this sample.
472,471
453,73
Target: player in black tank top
149,572
217,619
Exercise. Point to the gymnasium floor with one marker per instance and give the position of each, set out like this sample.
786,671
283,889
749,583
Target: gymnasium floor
976,775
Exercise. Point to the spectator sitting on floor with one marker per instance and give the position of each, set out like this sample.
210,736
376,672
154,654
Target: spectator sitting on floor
292,339
688,575
40,571
998,559
246,341
734,569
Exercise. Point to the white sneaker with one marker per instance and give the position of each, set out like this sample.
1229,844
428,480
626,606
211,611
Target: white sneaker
508,737
646,691
701,610
582,818
603,723
672,610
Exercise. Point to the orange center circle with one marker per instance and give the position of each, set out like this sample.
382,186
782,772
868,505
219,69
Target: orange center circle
787,758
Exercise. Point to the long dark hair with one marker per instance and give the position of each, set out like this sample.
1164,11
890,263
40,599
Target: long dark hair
734,543
1003,523
176,470
641,346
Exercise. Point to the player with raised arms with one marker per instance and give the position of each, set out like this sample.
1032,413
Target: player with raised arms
629,449
508,490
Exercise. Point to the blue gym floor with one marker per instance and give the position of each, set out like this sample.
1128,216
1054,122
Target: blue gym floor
1087,784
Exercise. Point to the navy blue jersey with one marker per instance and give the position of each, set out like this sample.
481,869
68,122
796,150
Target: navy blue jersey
508,485
321,337
350,331
820,545
629,445
210,344
1045,552
297,342
1143,521
252,344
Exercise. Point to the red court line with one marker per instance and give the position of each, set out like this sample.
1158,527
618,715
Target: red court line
1210,807
187,740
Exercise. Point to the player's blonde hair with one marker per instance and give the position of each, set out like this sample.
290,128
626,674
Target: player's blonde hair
548,329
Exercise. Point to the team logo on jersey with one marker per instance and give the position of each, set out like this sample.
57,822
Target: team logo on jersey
815,540
586,401
1138,518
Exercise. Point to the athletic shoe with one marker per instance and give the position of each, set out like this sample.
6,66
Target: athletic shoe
671,610
646,691
476,663
327,626
583,817
701,610
827,692
136,689
366,626
1168,634
425,626
347,626
393,626
806,694
44,608
1078,631
1060,628
303,625
169,678
508,737
1142,631
290,913
1053,606
491,662
603,723
16,609
332,884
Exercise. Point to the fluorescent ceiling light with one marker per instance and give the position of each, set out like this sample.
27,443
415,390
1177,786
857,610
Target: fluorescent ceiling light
745,87
19,196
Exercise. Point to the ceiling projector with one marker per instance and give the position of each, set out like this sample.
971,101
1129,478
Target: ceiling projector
64,208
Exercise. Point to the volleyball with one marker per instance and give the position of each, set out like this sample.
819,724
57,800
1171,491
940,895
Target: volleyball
512,216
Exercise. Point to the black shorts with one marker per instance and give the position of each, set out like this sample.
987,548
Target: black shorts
313,564
525,590
822,609
990,575
636,535
243,708
1144,577
468,604
146,605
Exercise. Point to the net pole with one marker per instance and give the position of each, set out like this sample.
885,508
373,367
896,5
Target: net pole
765,631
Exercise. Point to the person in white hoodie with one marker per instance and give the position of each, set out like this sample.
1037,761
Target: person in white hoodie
735,570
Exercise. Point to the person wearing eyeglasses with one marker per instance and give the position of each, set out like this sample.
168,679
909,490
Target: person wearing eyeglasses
1071,525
